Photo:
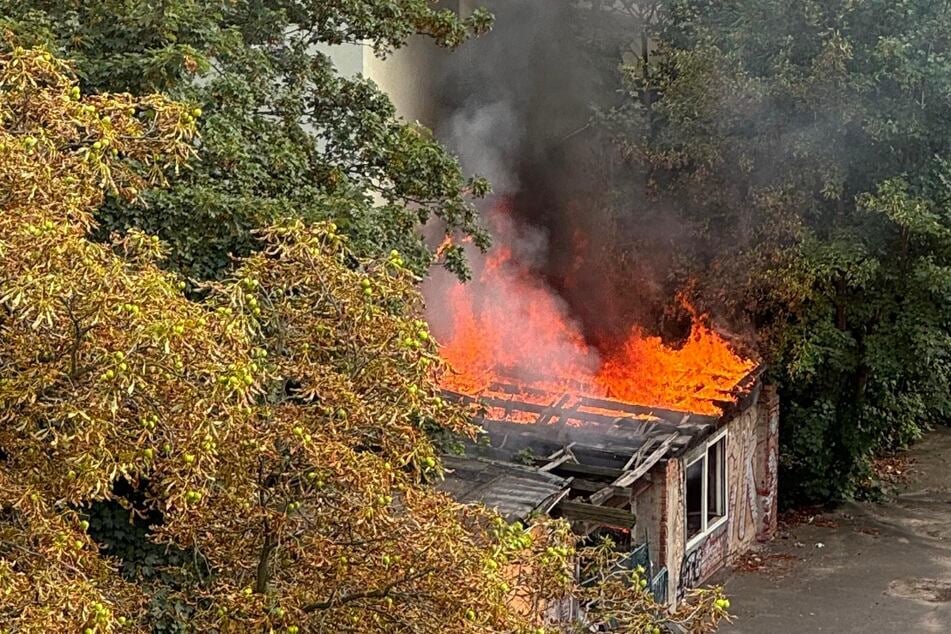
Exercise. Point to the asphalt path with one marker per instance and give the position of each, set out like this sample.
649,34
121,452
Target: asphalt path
870,568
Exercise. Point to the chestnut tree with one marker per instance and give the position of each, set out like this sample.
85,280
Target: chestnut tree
278,427
274,433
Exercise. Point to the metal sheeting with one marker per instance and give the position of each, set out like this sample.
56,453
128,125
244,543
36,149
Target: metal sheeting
512,491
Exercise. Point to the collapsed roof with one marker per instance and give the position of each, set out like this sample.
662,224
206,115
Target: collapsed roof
540,452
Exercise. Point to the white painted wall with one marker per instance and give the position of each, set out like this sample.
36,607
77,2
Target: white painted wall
409,75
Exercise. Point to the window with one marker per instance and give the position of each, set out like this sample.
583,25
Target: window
706,490
695,499
716,481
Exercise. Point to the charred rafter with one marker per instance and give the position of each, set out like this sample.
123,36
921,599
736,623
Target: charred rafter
601,451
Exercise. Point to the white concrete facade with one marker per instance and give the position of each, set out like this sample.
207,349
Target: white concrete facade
409,75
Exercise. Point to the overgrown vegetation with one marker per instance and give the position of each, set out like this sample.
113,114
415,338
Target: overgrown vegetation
806,145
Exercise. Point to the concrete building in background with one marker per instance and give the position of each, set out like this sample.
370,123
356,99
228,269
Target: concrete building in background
409,75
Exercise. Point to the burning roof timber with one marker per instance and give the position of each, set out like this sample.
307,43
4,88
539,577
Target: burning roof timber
509,325
533,418
550,397
598,447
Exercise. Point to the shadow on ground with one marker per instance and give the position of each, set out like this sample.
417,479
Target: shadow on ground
870,568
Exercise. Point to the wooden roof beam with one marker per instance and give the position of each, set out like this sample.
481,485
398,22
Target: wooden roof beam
580,511
559,457
630,477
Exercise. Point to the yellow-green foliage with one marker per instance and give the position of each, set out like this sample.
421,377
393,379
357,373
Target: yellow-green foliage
278,426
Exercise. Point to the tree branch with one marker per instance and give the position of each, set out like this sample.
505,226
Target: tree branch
379,593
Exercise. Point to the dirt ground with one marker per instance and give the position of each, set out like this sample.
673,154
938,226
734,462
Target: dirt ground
870,568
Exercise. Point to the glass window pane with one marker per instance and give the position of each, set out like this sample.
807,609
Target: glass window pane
694,499
716,481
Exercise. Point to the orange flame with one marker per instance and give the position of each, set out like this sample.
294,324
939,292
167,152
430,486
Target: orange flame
507,326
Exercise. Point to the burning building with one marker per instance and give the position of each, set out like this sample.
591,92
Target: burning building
670,449
670,446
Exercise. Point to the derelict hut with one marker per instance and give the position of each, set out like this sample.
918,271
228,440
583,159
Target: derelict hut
684,492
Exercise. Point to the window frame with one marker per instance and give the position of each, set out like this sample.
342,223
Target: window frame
703,455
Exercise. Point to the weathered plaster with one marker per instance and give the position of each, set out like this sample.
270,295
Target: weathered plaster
649,507
752,462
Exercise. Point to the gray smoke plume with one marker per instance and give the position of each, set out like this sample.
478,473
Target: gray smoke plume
516,106
487,136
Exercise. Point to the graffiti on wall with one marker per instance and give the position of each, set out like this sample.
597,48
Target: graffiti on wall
701,562
714,553
689,572
744,502
769,484
752,478
753,465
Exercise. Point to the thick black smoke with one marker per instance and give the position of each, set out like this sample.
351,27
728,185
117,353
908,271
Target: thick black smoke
516,106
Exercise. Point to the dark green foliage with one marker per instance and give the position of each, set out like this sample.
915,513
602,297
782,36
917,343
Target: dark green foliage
282,133
124,531
807,146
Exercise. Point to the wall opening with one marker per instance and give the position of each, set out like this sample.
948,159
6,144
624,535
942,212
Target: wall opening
706,490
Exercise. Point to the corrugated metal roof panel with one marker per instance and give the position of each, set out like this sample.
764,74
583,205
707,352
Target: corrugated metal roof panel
514,492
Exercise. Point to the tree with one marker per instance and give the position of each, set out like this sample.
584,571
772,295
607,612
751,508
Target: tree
274,431
278,427
282,133
803,144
